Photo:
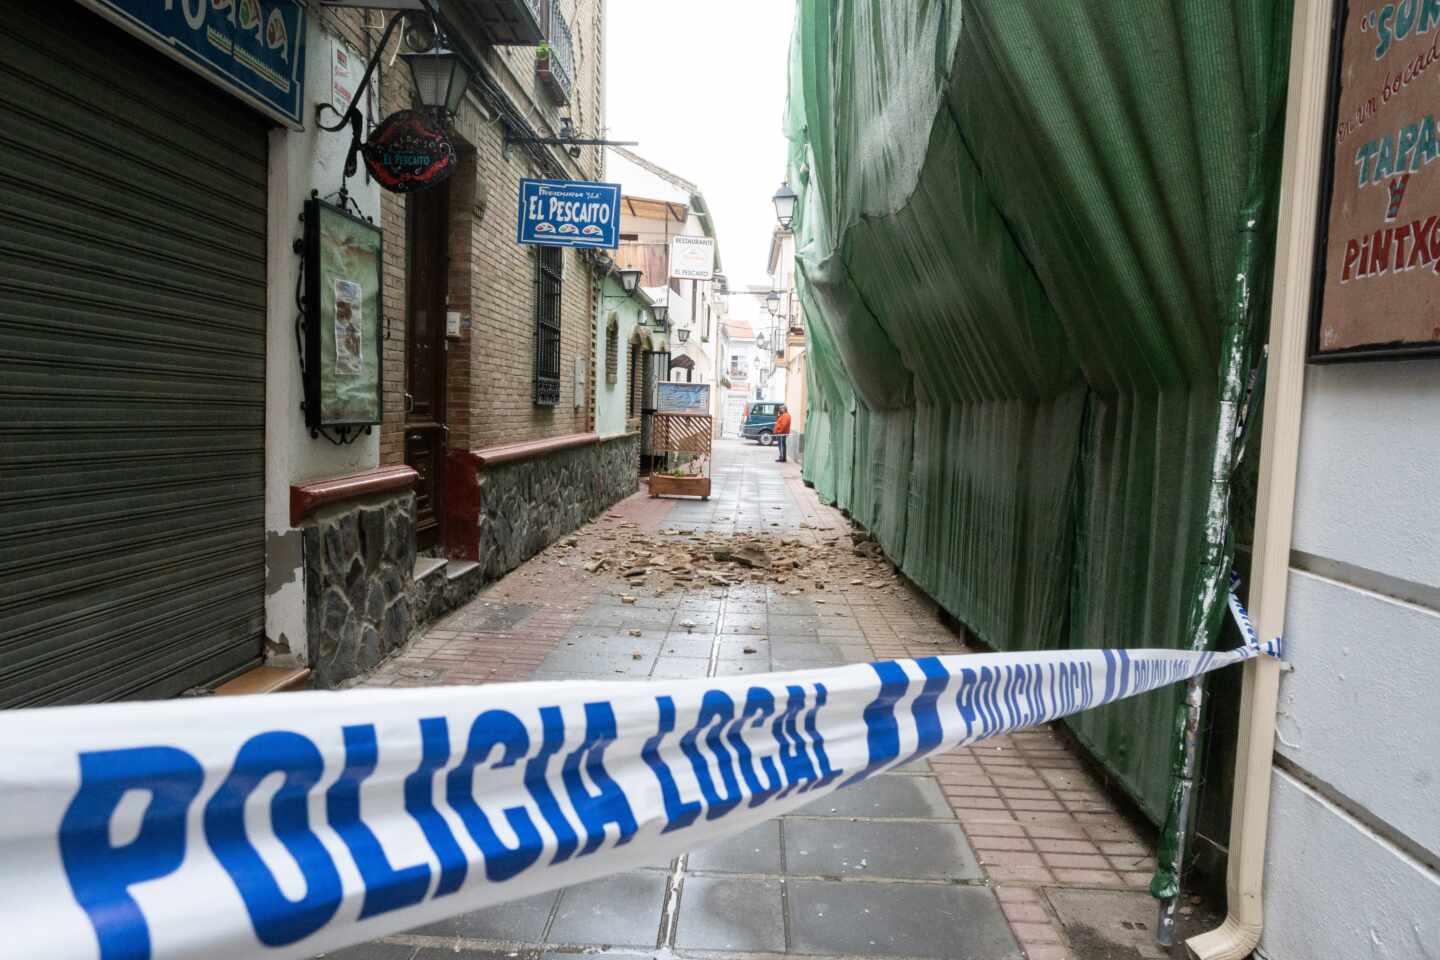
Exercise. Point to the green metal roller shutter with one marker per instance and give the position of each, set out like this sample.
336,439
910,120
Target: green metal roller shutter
132,367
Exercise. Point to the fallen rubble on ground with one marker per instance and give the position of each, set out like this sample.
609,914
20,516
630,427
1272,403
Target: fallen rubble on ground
688,560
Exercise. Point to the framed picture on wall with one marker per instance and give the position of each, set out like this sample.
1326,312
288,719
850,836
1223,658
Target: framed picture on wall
343,330
1377,256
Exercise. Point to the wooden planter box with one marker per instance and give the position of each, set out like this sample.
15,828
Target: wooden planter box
662,486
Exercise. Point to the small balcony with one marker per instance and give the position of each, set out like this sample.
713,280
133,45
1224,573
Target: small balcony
514,23
555,61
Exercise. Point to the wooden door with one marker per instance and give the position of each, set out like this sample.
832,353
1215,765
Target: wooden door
427,231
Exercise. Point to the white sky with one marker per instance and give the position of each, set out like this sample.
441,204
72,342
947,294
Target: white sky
702,85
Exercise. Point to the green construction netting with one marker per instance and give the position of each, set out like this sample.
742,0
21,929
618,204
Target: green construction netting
1034,244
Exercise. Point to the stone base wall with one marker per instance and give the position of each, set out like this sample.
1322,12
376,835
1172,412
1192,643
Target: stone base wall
359,585
527,505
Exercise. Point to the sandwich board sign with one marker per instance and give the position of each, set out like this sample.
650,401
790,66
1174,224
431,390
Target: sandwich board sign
692,258
569,213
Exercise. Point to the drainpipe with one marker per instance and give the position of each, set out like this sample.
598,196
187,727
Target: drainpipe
1305,137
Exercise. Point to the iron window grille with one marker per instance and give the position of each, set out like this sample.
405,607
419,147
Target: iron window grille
548,273
612,351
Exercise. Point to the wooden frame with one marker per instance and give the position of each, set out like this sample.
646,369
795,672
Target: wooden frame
1332,141
683,433
344,383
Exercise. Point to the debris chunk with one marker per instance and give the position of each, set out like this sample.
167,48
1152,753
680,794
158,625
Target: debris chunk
747,555
627,600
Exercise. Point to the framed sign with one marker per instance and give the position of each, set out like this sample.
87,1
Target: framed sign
1377,270
343,308
569,213
692,258
682,397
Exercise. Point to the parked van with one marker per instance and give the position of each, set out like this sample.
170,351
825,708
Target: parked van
759,423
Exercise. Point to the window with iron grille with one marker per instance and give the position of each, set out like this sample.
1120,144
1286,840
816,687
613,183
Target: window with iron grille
548,272
632,396
612,350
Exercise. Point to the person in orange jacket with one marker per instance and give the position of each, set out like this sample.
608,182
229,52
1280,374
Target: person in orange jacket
782,431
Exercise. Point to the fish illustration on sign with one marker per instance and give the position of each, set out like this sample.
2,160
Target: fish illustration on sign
250,18
276,36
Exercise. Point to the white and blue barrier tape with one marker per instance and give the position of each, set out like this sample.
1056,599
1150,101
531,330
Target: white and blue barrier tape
287,826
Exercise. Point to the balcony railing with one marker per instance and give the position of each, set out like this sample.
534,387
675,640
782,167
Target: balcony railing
511,22
557,68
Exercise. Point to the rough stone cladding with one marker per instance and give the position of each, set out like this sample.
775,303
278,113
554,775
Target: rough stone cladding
359,567
527,505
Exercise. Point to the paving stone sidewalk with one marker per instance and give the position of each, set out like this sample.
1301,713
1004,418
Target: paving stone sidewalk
1003,850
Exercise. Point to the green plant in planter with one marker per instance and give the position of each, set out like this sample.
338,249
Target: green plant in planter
542,52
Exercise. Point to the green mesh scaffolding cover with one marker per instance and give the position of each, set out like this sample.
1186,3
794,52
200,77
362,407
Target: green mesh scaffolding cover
1034,240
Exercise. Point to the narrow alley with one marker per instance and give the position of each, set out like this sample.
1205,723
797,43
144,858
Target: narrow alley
400,558
1003,847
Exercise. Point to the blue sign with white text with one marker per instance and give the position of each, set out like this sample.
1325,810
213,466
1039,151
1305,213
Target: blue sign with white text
569,213
253,48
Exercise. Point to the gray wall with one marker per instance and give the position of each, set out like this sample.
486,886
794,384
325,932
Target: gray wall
1355,819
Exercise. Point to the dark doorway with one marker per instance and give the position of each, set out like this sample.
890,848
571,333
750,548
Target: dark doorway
654,369
428,230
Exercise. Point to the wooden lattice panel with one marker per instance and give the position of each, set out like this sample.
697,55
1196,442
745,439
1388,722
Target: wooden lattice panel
683,433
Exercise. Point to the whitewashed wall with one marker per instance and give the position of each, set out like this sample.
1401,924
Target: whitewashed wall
300,161
1355,821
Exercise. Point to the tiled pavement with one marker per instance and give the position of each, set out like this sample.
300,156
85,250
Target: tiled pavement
1004,849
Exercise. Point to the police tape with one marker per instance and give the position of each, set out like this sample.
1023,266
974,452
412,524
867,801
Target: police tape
287,826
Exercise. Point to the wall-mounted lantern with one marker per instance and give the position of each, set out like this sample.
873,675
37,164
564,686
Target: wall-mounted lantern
683,334
408,150
784,200
441,77
772,303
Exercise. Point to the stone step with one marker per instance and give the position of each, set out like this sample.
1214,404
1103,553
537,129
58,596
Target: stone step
455,569
425,566
265,680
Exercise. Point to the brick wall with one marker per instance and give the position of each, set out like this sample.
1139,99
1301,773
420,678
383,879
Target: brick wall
396,91
490,368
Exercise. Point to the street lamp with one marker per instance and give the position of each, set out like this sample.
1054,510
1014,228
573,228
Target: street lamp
785,205
440,77
772,303
661,312
629,279
682,335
